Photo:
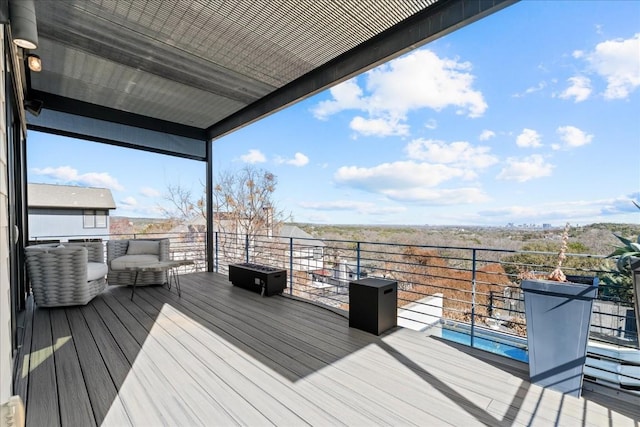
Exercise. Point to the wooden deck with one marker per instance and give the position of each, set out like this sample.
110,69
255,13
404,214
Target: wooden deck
226,356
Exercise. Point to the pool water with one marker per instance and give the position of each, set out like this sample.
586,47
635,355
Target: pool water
503,349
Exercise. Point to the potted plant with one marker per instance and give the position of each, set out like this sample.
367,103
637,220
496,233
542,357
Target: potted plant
558,316
628,265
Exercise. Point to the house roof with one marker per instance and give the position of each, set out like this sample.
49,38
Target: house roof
197,69
67,196
288,231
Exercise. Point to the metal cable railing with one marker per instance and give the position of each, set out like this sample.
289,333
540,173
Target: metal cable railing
473,292
478,286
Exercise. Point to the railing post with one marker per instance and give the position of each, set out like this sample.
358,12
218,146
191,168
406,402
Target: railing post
246,247
216,260
358,260
290,265
473,298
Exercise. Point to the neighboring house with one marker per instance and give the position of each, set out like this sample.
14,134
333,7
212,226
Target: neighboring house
308,252
68,211
340,275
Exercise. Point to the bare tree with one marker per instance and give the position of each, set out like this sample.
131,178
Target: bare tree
243,205
184,205
243,202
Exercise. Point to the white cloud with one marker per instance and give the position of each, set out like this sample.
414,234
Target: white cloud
422,79
379,127
431,164
486,134
454,196
253,156
578,54
531,90
364,208
417,80
345,96
575,210
298,160
525,169
618,62
69,175
529,138
573,137
459,153
431,124
143,211
150,192
579,89
128,202
399,174
411,181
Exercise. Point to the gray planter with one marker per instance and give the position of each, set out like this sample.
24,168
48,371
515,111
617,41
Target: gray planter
635,266
558,318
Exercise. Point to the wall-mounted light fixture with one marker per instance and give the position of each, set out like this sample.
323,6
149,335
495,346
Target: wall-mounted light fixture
24,30
34,62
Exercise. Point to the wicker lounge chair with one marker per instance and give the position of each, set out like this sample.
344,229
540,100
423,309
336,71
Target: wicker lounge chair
66,274
129,253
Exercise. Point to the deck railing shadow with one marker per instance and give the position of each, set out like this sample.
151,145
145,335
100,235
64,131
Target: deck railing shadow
481,414
146,353
614,400
290,345
116,348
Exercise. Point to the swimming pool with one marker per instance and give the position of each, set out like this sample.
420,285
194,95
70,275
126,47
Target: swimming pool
501,348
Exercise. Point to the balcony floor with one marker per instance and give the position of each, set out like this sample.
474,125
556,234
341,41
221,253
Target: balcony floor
226,356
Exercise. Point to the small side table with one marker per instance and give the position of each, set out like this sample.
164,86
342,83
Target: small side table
373,305
169,269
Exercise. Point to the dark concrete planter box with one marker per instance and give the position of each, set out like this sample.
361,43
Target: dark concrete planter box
259,278
635,266
558,319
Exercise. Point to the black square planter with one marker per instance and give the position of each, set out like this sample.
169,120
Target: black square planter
373,305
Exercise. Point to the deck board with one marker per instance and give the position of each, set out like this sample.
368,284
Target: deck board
226,356
236,369
159,368
351,377
192,375
74,403
103,394
302,361
21,371
42,374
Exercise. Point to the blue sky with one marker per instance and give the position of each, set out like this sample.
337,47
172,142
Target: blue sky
529,116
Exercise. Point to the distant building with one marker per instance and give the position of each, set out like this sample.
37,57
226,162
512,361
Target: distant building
67,211
308,252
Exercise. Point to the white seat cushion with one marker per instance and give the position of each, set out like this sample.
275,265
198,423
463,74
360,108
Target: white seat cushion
96,270
125,261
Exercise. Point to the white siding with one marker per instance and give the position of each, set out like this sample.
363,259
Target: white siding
6,357
44,223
